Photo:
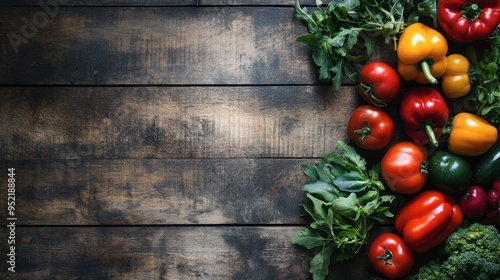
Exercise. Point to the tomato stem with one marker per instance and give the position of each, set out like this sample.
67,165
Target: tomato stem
426,69
386,257
424,167
364,131
368,91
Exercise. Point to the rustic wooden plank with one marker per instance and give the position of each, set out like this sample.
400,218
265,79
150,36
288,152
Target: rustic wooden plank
109,45
170,191
171,253
155,3
174,122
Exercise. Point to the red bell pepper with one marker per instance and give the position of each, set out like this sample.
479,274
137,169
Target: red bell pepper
468,20
424,113
428,219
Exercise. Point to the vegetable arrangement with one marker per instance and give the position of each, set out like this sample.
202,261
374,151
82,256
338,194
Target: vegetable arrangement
429,190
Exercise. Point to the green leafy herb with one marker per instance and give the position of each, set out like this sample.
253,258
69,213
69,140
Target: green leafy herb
344,34
485,78
344,200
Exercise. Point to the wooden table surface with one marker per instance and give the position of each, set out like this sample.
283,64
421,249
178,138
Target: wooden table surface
163,139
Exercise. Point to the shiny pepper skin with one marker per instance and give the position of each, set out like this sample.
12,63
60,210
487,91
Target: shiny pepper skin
471,135
421,54
468,20
424,112
428,219
455,80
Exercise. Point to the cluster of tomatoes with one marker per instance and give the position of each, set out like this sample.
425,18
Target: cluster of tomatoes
371,128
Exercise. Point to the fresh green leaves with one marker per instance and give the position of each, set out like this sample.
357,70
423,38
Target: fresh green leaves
343,35
485,78
343,200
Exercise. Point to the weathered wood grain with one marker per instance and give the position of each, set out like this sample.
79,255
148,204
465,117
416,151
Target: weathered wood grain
170,253
146,3
106,45
174,122
173,191
155,45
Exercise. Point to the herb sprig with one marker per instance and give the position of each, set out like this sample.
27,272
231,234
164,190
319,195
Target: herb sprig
485,78
344,34
344,200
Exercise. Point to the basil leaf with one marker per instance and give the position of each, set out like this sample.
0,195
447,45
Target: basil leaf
309,239
324,190
368,196
371,206
318,206
320,263
369,43
310,172
309,40
345,206
301,13
350,154
337,160
352,181
320,55
324,172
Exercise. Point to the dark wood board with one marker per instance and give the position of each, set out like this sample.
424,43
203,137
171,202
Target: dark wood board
54,3
135,45
231,252
175,122
164,192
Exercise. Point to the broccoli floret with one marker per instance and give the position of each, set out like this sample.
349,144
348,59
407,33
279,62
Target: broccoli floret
431,271
484,240
470,265
471,252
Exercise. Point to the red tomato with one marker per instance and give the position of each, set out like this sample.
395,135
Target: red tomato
378,83
370,128
390,256
404,167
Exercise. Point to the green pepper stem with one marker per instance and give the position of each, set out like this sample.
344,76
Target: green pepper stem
447,128
431,135
471,11
426,69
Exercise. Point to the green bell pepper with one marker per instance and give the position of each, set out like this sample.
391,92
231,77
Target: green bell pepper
449,173
487,169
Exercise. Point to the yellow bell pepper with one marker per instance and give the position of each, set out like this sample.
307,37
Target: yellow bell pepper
471,135
456,81
421,54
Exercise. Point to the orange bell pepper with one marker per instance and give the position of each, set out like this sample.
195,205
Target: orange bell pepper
470,135
428,219
455,80
421,54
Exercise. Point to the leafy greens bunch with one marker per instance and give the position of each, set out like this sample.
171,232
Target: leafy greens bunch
345,33
343,200
485,77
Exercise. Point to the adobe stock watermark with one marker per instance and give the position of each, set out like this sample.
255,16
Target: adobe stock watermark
31,25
